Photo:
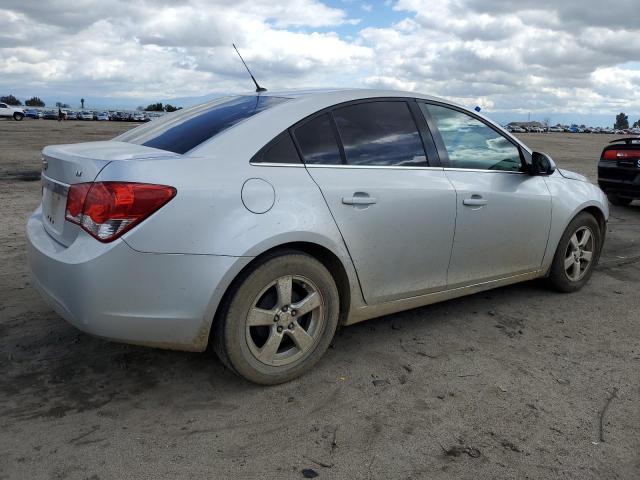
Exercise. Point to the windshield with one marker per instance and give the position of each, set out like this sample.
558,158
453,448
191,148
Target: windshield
184,130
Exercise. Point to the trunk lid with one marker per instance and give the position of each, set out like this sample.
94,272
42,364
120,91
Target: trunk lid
65,165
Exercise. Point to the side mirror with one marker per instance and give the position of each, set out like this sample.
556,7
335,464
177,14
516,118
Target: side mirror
542,164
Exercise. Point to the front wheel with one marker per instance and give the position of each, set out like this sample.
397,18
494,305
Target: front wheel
618,201
18,116
577,254
279,318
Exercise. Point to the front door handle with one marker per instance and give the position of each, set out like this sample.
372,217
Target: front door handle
362,199
474,201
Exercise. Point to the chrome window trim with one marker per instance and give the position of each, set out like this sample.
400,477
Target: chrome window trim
275,164
481,170
329,165
376,167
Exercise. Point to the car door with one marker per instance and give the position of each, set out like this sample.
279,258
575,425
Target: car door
5,111
503,214
393,205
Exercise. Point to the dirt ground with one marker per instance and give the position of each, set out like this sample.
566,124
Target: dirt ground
509,383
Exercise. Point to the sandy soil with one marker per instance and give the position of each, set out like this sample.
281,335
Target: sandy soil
506,384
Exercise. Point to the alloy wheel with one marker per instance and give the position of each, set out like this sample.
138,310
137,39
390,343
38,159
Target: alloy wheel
285,321
579,254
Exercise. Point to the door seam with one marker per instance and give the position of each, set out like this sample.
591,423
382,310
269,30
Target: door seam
455,228
364,299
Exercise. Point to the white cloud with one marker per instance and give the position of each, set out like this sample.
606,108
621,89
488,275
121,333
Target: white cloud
536,55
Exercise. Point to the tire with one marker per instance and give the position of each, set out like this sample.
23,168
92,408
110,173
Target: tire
567,276
283,343
619,201
18,116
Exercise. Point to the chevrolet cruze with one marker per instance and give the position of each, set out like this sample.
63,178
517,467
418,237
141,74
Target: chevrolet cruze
259,223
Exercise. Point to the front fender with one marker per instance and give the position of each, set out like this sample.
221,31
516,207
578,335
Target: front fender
569,198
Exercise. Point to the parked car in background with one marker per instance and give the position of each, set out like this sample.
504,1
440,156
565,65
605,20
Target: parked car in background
50,114
555,129
8,111
71,115
619,171
102,116
33,113
140,117
85,115
337,207
516,129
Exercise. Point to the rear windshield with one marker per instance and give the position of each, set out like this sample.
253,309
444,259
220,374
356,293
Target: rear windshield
184,130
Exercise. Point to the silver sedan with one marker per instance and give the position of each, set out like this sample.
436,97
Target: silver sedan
259,223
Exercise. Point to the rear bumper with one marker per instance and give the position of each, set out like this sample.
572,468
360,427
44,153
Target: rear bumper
620,187
620,180
115,292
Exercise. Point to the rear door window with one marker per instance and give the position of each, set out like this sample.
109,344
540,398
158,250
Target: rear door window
317,141
380,133
280,150
184,130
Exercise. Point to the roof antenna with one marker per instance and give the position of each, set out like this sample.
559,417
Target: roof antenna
258,87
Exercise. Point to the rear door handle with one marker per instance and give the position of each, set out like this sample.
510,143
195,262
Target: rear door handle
475,201
359,200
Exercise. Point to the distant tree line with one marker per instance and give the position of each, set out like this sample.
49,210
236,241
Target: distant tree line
32,102
622,122
37,102
158,107
10,99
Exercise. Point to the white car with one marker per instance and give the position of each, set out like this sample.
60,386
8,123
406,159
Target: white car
260,223
84,115
556,129
8,111
102,116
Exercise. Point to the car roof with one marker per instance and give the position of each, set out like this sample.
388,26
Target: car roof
344,94
265,125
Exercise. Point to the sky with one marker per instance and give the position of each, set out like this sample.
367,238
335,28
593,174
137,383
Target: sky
570,60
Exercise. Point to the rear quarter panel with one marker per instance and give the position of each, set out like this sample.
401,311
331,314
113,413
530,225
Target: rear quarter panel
208,216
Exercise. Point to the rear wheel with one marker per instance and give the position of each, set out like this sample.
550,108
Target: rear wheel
577,254
18,116
279,319
619,201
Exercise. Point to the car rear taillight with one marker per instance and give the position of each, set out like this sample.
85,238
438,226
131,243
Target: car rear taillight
622,155
108,209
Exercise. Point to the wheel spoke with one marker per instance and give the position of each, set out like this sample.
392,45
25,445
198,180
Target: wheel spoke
308,303
587,256
574,242
260,316
284,286
301,338
569,261
585,238
270,347
576,270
